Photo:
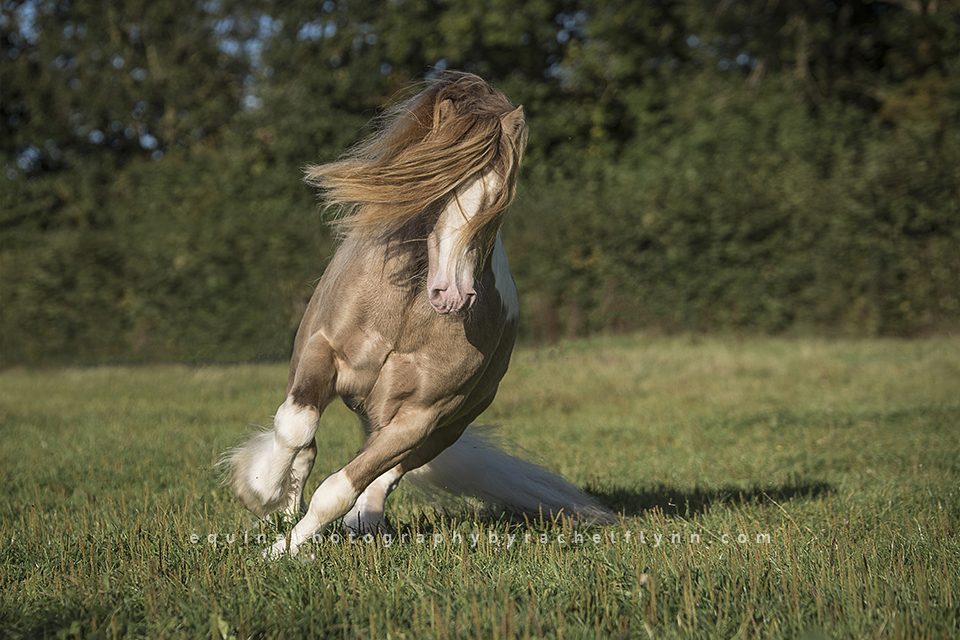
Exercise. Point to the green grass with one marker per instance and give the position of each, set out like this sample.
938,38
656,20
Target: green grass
847,453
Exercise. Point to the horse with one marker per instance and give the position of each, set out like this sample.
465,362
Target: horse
412,324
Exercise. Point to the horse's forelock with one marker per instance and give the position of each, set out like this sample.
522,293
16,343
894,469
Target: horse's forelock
424,149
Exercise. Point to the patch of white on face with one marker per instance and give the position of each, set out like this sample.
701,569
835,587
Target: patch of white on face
503,279
455,218
450,274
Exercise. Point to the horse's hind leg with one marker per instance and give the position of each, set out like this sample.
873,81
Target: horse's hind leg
268,472
367,514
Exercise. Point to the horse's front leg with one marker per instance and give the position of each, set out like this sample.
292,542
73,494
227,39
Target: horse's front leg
269,471
294,506
382,453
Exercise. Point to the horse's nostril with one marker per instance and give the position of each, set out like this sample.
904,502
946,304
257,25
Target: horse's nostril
436,297
470,298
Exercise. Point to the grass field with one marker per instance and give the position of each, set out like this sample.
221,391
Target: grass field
845,453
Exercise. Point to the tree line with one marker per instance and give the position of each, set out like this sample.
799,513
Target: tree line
784,167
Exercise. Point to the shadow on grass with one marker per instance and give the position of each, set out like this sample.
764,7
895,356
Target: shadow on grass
673,501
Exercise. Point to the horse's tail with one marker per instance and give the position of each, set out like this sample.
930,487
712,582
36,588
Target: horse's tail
475,466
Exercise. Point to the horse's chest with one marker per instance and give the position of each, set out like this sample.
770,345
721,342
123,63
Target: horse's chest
375,378
360,357
399,351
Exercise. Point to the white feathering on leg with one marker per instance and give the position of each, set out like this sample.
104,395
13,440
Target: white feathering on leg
260,469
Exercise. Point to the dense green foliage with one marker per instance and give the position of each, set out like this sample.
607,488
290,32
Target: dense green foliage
845,452
761,166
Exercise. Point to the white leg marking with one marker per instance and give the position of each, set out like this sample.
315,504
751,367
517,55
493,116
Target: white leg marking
366,516
295,424
262,468
331,500
270,472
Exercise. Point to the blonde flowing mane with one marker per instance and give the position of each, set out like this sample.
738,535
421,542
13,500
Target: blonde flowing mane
425,148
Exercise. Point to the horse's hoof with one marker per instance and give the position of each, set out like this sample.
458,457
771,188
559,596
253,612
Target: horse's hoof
278,550
359,528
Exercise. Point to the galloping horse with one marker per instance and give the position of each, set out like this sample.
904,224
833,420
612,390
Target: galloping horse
417,358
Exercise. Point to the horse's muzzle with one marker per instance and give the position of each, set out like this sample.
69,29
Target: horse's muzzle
446,299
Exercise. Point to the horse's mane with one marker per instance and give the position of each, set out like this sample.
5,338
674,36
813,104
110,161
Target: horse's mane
423,150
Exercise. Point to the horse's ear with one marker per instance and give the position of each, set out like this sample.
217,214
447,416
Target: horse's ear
445,110
513,122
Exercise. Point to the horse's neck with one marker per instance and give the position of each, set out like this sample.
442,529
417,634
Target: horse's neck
393,265
389,259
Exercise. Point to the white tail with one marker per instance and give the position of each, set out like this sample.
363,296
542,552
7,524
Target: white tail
475,466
